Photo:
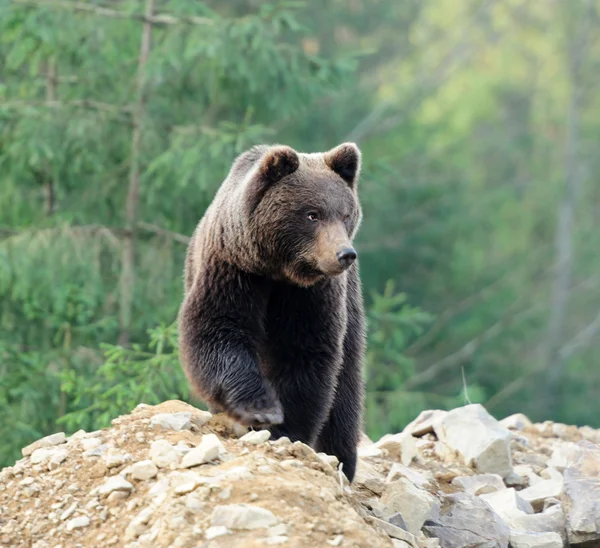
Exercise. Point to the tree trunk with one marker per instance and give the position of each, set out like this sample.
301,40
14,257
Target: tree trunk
48,184
564,234
128,257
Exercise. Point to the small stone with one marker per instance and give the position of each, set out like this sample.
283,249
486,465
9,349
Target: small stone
90,443
282,441
117,496
520,539
210,449
56,455
336,541
507,502
518,421
289,464
425,422
256,437
369,451
97,451
515,480
173,421
400,471
395,532
140,436
68,512
277,530
242,516
536,494
49,441
216,531
163,454
225,493
479,484
276,540
200,417
143,470
330,460
114,458
114,483
78,523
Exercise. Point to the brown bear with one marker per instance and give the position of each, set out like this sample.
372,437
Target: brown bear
272,323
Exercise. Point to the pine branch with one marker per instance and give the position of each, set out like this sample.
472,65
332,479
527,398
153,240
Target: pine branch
80,103
94,9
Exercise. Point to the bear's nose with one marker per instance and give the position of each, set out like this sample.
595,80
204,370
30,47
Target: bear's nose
346,256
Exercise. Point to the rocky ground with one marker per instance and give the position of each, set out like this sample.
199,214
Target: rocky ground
175,476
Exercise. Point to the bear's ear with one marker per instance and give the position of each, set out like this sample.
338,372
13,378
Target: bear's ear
276,163
345,161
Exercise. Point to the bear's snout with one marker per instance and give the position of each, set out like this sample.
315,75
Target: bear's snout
346,257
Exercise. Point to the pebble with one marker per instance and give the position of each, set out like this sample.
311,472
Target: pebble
173,421
114,483
256,437
242,516
78,523
276,540
68,512
163,454
210,449
216,531
90,443
143,470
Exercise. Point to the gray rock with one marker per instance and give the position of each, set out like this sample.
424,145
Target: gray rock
551,520
369,451
542,490
479,484
582,494
397,520
518,421
216,531
242,516
478,437
210,449
464,520
395,532
535,540
415,505
507,503
425,422
49,441
400,471
53,455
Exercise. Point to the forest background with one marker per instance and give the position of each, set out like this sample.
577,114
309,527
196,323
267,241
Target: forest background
479,122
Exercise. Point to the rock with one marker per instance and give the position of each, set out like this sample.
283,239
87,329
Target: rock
369,451
402,447
336,541
216,531
52,455
96,451
536,494
479,484
400,471
507,503
78,523
424,423
463,520
582,494
415,505
163,454
527,472
590,434
210,449
478,437
551,520
535,540
518,421
242,516
564,455
280,539
68,512
330,460
115,458
395,532
397,520
49,441
172,421
143,470
256,437
515,480
114,483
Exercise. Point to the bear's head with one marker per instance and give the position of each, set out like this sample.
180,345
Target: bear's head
302,210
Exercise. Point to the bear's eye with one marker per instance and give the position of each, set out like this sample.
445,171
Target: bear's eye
312,216
346,218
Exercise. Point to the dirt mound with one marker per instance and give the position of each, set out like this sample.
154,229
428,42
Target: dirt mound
174,476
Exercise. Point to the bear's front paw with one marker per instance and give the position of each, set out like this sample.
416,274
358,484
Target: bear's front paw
258,413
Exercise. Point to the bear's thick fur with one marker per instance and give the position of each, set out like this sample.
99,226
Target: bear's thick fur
272,323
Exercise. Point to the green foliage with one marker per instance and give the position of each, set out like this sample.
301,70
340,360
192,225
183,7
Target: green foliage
462,111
